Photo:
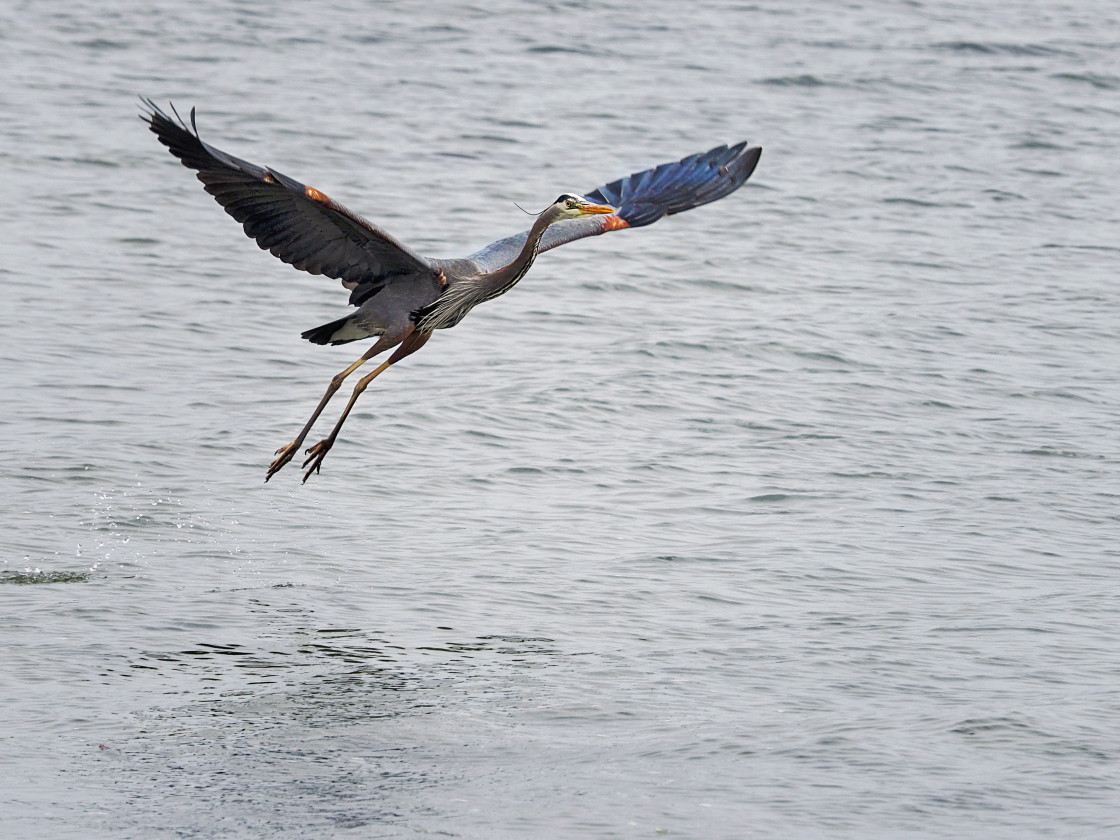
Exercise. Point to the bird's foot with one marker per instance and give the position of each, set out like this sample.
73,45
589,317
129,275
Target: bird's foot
283,455
316,454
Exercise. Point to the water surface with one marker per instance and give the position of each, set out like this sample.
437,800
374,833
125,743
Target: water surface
795,515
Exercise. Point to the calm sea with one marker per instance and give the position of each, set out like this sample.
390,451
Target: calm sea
797,515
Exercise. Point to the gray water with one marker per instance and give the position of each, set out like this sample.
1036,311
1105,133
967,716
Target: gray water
792,516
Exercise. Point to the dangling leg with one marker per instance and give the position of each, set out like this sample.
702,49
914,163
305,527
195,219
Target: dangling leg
285,453
413,342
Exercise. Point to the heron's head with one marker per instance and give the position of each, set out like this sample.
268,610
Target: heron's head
570,206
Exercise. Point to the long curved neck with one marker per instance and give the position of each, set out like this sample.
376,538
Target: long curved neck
461,297
501,280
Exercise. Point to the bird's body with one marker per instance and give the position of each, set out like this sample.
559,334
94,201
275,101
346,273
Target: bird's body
401,297
440,295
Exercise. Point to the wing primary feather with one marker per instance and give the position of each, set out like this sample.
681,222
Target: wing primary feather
282,216
642,198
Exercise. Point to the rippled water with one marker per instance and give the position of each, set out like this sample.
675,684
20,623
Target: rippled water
792,516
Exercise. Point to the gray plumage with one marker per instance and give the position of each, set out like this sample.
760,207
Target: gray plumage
400,296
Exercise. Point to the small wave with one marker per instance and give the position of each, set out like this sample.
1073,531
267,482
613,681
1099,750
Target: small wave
37,576
804,80
988,48
1032,143
1054,452
917,202
1026,733
818,356
771,497
680,558
553,49
1095,79
490,138
1081,247
104,44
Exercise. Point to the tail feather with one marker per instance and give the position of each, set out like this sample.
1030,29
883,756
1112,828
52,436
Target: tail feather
326,333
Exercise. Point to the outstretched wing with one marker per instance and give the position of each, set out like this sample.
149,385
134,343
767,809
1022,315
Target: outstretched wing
296,223
643,198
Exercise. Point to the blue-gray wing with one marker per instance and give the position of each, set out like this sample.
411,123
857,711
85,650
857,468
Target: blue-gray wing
643,198
296,223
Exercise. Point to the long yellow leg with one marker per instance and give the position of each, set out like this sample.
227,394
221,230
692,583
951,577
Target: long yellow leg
284,454
318,452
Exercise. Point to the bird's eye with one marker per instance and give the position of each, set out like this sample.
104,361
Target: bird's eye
572,203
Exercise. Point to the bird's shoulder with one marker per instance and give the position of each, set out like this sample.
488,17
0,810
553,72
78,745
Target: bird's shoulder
451,272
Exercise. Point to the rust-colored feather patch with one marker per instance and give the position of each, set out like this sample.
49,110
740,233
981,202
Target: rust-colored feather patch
315,195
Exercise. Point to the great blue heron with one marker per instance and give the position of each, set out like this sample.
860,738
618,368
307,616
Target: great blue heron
401,297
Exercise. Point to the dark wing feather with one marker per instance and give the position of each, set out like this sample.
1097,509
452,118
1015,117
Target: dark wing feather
294,222
643,198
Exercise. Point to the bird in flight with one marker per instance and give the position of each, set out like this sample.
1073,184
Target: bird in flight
401,297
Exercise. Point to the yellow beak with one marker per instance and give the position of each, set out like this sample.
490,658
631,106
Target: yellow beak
590,209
